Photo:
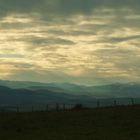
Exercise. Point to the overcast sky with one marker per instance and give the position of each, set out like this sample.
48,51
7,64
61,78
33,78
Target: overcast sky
77,41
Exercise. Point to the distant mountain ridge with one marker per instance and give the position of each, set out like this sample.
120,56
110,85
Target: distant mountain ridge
27,96
116,90
28,93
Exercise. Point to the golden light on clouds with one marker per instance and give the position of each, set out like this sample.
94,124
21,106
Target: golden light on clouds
7,70
103,44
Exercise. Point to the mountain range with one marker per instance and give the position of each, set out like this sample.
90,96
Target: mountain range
22,92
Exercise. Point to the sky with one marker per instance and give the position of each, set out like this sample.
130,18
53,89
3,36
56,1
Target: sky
89,42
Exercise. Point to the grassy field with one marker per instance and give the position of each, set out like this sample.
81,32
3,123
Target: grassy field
118,123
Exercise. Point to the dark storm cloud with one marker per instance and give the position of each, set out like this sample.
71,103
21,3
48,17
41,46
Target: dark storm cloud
62,7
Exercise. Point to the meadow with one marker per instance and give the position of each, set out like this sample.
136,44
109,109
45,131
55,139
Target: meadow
108,123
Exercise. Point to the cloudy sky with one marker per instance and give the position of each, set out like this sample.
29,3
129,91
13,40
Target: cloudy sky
77,41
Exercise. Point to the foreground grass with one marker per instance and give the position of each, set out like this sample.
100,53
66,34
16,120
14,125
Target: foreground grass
119,123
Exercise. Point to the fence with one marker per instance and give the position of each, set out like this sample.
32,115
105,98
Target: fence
62,106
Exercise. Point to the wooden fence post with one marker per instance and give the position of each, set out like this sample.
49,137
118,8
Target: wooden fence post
17,108
64,107
32,108
115,103
47,107
57,107
132,101
98,103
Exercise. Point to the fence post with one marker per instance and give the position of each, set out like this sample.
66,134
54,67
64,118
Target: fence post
32,108
17,108
132,101
64,107
115,103
70,107
57,107
98,103
47,107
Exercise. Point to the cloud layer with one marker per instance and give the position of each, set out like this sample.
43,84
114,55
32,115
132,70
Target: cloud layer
85,42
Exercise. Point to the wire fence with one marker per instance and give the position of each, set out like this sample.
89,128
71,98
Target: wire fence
67,106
